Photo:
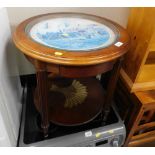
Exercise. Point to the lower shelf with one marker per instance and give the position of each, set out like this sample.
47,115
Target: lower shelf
73,101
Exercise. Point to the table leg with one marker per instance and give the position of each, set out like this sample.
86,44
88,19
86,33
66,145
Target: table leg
110,89
43,99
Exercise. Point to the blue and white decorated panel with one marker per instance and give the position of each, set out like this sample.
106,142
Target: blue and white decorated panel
72,34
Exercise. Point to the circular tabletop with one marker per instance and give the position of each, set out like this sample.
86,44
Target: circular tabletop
71,39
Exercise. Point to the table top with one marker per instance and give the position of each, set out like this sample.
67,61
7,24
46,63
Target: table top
72,34
71,39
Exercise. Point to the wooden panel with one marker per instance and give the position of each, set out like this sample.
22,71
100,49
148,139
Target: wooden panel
123,101
140,38
126,79
145,86
52,68
133,110
146,97
139,86
152,43
151,58
147,73
85,71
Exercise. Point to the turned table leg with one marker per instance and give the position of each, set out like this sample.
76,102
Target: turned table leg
43,99
111,88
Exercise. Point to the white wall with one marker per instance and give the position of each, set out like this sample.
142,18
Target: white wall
10,88
17,15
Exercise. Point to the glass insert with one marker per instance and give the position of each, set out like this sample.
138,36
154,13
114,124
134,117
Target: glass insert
72,34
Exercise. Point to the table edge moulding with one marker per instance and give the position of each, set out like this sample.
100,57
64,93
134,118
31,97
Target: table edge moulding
46,54
72,64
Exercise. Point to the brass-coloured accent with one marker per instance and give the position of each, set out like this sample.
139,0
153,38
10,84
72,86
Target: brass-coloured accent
75,94
58,53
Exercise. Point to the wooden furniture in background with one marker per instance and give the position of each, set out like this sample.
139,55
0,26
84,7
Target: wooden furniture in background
135,91
143,128
71,64
138,112
139,65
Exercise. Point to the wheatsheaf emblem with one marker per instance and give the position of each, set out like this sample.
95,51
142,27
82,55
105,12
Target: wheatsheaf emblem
75,94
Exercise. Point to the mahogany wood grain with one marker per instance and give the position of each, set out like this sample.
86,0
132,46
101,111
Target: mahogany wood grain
46,54
85,71
43,99
76,115
75,71
111,87
70,64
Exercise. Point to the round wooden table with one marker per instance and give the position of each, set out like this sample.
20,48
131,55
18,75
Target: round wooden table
71,45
